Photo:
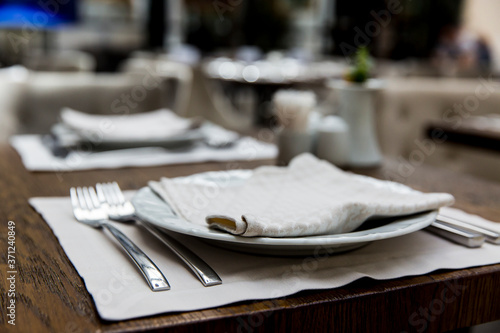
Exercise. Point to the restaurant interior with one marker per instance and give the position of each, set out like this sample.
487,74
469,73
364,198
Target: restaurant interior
134,91
431,56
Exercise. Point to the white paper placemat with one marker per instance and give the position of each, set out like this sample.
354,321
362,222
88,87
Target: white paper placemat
38,157
120,292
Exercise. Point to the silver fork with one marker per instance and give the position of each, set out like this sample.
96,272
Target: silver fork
120,209
88,210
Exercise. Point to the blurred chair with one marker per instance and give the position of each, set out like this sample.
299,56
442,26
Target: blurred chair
13,81
144,85
209,101
60,61
172,74
119,94
409,105
196,95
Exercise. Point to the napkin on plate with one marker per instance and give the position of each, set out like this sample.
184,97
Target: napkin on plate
153,125
309,197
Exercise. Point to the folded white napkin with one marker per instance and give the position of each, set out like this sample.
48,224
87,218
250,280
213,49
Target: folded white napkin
309,197
154,125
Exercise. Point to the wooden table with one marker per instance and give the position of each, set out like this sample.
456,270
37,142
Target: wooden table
51,297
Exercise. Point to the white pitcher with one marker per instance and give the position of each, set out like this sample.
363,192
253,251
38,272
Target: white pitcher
356,106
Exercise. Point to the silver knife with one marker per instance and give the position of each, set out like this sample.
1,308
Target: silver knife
456,234
490,235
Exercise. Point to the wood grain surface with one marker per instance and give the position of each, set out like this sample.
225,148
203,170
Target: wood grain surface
51,297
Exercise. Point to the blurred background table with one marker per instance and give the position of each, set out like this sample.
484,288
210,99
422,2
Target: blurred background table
250,85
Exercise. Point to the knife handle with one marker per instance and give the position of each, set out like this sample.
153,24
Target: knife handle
490,235
456,234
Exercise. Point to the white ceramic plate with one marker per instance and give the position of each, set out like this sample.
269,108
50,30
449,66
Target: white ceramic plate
154,210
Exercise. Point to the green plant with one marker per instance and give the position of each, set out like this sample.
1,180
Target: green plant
360,71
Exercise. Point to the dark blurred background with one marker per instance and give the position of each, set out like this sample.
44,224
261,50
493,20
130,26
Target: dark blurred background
111,30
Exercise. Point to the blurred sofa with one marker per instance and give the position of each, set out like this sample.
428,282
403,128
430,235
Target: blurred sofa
409,105
13,82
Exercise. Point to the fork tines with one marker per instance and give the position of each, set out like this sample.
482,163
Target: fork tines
110,193
84,198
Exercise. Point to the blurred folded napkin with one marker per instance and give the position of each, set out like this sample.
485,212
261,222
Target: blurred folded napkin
153,125
309,197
